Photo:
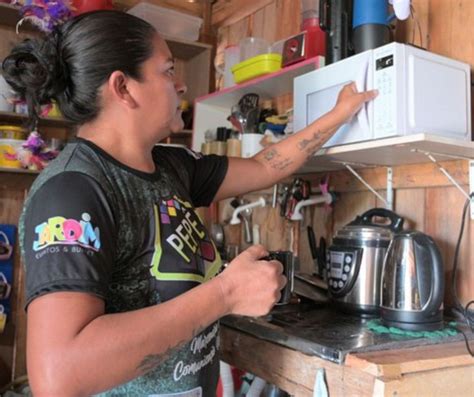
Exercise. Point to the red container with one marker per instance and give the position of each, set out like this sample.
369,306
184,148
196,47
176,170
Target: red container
82,6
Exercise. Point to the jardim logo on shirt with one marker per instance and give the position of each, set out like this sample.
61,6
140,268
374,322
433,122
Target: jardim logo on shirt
60,230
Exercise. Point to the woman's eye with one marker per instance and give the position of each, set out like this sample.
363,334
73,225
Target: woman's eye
171,71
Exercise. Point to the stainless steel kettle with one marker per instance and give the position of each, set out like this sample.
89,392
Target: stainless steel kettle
412,283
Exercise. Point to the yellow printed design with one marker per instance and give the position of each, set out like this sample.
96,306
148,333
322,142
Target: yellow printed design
198,258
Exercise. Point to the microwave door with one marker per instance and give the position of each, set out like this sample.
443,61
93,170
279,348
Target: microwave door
323,101
323,90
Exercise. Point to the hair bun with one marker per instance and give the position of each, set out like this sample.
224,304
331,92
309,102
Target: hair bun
34,69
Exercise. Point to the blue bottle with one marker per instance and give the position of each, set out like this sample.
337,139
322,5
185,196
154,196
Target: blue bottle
370,24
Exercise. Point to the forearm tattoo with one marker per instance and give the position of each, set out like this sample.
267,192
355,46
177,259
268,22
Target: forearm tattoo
152,361
276,160
309,146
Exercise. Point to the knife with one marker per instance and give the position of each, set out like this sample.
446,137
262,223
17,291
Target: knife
313,248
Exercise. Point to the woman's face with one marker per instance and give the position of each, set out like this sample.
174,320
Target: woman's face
160,92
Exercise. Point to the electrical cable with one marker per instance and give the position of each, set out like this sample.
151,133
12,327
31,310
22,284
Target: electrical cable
469,317
416,24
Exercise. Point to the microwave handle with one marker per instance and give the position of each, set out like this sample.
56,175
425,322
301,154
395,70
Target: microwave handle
361,84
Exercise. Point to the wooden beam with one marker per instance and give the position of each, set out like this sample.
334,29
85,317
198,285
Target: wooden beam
227,12
404,177
185,6
395,363
288,369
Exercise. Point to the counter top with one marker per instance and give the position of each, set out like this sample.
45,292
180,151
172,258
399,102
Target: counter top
295,344
317,329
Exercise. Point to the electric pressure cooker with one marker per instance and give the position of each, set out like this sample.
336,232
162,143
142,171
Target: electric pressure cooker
355,261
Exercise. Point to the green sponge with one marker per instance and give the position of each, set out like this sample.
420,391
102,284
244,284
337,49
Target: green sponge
377,327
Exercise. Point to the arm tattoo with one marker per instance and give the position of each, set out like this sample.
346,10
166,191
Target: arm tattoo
309,146
152,361
282,164
270,154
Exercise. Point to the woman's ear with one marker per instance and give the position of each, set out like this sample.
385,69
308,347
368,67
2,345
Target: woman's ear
118,88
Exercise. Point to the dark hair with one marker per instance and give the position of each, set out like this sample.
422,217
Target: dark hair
72,63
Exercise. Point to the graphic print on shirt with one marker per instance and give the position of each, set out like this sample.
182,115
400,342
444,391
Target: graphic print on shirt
183,251
58,230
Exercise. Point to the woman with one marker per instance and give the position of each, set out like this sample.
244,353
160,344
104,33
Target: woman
123,295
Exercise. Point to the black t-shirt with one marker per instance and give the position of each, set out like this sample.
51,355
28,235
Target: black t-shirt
94,225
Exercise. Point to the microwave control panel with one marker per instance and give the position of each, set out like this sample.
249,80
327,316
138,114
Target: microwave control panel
385,103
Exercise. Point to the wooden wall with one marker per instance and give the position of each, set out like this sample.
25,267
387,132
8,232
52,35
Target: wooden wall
423,195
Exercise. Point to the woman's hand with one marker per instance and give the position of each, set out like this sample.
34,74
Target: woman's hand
349,102
250,286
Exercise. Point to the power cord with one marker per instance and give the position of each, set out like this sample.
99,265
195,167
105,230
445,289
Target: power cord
469,317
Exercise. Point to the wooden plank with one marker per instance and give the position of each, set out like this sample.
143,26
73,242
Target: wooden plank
415,30
443,211
290,370
191,8
442,382
410,203
349,205
289,18
228,12
451,29
404,176
395,363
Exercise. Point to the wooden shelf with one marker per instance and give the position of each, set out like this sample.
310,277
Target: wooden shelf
184,49
18,171
11,117
390,152
211,111
268,86
10,15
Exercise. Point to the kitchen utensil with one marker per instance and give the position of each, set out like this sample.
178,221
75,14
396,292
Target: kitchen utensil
247,102
314,250
251,120
322,256
355,262
413,283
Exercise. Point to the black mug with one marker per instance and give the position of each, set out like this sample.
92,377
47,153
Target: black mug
287,260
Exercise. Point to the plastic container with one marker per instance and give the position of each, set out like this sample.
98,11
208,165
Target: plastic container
9,151
5,93
252,46
256,66
169,22
12,132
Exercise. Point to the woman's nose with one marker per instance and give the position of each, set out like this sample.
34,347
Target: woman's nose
180,87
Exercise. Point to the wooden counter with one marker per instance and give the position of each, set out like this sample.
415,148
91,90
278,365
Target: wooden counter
434,370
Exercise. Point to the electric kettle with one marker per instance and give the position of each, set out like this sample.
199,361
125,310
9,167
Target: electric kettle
412,283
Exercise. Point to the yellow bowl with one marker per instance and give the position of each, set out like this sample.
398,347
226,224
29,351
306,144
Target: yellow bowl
256,66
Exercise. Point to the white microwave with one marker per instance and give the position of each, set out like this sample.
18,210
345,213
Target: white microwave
419,92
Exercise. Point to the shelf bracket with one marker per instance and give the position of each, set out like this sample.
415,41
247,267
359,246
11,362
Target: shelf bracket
453,181
387,201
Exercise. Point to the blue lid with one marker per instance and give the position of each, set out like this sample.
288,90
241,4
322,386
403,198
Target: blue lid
370,11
